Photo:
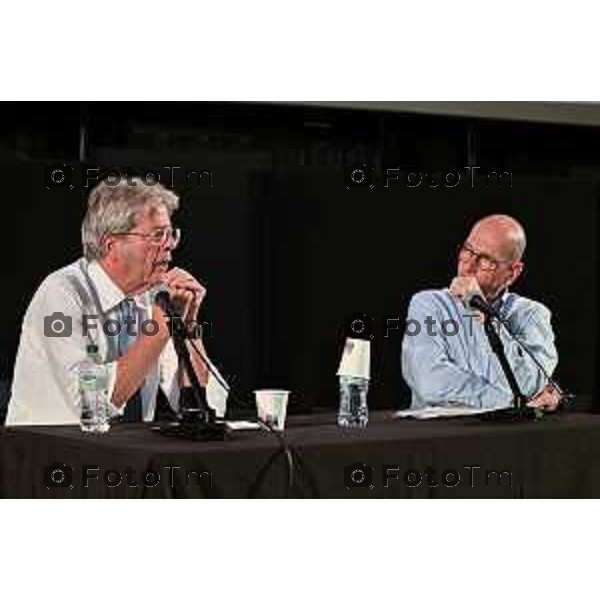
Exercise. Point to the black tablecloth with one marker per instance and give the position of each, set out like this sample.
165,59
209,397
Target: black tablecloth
557,457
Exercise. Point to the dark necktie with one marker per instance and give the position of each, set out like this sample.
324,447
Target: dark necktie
133,408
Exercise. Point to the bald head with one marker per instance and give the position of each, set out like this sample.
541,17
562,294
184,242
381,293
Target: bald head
506,233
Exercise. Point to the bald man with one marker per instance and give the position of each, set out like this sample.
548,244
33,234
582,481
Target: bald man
446,357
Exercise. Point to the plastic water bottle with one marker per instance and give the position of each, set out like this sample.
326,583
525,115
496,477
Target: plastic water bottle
354,411
93,393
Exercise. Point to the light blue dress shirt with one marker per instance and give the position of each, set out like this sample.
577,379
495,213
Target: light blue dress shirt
456,366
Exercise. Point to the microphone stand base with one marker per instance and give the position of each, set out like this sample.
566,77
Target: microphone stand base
194,429
512,415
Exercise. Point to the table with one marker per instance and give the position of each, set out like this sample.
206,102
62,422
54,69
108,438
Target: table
557,457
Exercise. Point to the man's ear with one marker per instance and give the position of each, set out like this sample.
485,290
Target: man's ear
107,243
517,270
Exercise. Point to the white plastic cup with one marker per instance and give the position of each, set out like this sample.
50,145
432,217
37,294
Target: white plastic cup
356,359
271,406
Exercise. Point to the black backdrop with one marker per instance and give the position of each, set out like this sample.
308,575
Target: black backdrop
285,249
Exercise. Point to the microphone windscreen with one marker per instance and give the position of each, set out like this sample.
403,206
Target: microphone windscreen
475,301
163,300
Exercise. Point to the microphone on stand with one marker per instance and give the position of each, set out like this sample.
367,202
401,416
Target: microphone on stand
197,419
476,302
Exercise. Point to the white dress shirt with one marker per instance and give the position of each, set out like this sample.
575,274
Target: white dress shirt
45,385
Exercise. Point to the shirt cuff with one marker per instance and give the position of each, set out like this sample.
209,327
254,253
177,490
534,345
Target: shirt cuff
169,375
216,396
111,381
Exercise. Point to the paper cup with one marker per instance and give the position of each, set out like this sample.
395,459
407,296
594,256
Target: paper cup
356,358
271,406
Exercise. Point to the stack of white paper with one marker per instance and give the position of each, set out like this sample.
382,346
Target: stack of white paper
436,412
242,425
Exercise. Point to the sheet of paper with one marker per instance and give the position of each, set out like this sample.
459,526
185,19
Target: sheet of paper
242,425
437,412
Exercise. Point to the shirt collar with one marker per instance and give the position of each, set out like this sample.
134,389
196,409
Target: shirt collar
501,305
500,300
109,293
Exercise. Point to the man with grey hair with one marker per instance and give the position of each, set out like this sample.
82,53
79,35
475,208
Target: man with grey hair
453,364
107,297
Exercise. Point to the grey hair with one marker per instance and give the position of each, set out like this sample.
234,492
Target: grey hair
114,209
